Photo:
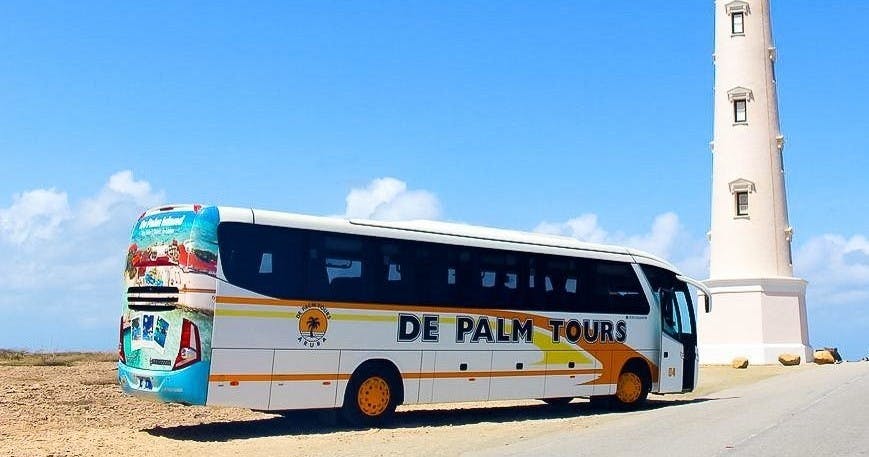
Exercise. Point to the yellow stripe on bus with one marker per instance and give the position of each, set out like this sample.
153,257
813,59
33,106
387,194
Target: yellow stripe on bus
246,313
364,317
223,312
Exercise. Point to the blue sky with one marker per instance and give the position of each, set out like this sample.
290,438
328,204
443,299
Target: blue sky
588,118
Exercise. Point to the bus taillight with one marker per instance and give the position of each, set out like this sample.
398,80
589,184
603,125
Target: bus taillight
121,356
189,351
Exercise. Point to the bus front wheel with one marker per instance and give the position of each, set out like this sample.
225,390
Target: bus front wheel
371,397
632,388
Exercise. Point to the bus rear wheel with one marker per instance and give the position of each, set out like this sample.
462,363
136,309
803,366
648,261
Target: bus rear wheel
371,397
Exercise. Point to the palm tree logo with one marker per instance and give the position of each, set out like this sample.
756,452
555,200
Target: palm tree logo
313,324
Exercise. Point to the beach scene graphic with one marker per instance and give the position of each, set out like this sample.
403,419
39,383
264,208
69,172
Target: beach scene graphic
186,240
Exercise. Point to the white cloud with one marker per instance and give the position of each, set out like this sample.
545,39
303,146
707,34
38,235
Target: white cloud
33,215
388,199
63,260
583,228
836,267
666,238
120,191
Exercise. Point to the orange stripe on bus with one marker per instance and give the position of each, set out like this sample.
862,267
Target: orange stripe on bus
438,375
230,300
274,377
199,291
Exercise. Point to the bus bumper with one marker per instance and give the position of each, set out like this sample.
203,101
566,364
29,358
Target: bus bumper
188,385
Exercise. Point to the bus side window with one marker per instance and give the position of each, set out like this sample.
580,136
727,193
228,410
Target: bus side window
399,275
337,267
438,274
263,259
535,298
617,289
466,291
511,292
561,285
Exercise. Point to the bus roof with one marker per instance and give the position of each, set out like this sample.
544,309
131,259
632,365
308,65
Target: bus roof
458,233
510,236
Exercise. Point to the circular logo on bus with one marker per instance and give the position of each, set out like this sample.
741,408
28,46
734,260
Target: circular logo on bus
313,324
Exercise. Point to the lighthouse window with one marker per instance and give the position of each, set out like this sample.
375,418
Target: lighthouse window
739,113
737,25
742,203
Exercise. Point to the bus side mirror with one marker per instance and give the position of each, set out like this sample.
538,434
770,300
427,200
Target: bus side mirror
707,302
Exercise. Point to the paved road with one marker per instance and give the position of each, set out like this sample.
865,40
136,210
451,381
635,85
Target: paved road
822,411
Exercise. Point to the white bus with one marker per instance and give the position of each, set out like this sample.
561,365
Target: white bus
274,311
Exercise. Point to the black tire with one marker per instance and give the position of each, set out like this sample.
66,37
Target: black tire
559,401
371,397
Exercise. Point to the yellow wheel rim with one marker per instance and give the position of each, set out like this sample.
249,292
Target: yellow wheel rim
629,388
373,397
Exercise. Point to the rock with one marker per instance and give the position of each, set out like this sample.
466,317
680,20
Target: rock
835,353
823,357
739,362
789,360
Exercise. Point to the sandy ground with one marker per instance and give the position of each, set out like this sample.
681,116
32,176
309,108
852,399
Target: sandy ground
79,410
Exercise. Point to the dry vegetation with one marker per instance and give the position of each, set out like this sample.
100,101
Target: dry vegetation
11,357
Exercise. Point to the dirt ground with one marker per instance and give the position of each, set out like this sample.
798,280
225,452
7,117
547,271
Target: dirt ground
79,410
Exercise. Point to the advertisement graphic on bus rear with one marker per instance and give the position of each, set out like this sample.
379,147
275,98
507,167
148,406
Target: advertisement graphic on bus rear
169,280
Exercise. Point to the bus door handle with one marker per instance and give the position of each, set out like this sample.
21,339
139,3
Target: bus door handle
666,354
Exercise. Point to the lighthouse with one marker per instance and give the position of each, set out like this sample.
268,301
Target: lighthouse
758,306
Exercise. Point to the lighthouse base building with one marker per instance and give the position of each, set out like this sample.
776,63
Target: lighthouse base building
759,319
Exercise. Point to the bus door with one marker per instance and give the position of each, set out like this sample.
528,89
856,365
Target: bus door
678,356
670,363
688,336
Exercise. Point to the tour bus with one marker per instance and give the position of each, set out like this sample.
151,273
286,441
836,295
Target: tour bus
274,311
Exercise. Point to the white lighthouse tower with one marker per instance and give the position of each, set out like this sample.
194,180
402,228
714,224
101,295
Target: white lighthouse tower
758,307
